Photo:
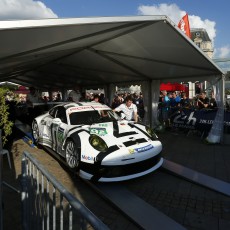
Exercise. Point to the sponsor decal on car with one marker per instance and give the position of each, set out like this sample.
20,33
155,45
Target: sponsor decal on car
60,134
88,158
80,108
98,131
103,125
143,149
131,151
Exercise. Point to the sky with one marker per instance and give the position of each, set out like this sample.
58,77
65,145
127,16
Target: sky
211,15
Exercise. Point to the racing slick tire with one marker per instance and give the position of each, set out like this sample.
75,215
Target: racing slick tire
72,154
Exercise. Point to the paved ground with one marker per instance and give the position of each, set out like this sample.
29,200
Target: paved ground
194,206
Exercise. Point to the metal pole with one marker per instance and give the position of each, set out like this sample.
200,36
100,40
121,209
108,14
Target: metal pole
223,103
1,200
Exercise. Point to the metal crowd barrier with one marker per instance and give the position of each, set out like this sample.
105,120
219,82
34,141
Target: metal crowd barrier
46,203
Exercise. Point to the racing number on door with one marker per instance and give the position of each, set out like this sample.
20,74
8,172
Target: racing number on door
58,131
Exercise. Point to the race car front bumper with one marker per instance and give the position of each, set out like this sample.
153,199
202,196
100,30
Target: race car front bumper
103,173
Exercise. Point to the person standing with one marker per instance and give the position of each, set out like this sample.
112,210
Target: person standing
213,104
58,98
185,102
96,98
75,94
140,106
33,111
203,101
32,97
116,102
165,106
129,109
174,103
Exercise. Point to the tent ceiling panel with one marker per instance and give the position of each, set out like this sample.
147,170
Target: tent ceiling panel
153,70
38,39
88,59
91,51
162,45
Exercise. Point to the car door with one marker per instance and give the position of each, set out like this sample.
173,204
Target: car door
46,128
58,129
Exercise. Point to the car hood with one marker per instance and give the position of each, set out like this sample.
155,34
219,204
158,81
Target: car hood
116,128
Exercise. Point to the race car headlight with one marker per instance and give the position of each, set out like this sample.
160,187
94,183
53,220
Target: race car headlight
98,143
151,133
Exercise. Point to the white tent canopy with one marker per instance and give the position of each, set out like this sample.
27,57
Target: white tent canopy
95,52
57,53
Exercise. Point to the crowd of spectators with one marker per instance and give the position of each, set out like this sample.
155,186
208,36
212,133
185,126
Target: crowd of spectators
170,103
26,105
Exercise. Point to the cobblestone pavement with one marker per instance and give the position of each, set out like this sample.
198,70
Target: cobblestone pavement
193,206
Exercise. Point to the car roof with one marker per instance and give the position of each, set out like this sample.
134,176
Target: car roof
86,105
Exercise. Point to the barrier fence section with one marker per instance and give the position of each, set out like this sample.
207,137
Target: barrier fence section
46,203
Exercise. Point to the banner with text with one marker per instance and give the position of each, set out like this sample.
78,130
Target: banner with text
198,119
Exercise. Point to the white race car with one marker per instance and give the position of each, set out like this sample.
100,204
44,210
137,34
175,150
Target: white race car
97,142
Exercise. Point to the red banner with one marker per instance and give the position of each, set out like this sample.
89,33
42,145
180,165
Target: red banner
184,25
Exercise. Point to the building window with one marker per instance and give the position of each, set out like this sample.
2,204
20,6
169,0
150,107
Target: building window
197,34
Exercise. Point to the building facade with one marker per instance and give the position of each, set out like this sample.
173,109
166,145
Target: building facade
201,38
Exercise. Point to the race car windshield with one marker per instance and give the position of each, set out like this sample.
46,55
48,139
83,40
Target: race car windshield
90,117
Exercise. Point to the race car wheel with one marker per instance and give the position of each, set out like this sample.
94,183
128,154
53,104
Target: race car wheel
35,132
72,154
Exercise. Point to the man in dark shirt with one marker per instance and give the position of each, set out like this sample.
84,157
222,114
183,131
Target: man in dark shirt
184,102
203,101
213,104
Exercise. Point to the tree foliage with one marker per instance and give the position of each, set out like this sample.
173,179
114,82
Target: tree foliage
5,124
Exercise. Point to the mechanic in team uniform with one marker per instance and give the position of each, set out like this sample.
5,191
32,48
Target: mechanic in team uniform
129,109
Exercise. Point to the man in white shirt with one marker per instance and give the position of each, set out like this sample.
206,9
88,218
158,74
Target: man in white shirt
129,109
75,94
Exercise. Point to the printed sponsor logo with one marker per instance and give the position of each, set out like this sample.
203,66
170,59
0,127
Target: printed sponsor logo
184,119
143,149
87,108
131,151
103,125
60,129
60,134
209,122
88,158
80,108
98,131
